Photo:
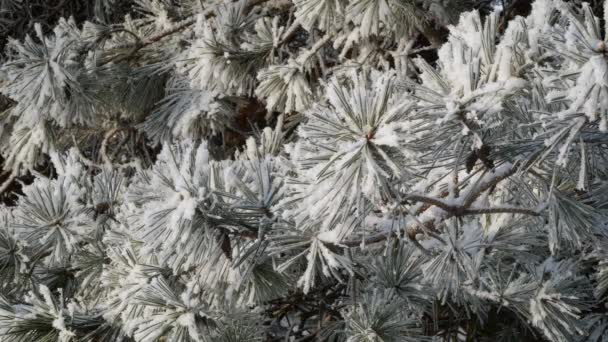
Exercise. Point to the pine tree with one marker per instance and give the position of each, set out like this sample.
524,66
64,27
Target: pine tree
307,170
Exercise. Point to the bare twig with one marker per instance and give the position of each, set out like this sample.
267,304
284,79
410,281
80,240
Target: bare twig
462,208
430,200
500,210
490,183
180,26
104,145
141,43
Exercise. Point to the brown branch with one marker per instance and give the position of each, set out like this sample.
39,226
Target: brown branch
500,210
430,201
180,26
428,226
411,231
139,44
481,188
104,144
142,43
426,206
369,240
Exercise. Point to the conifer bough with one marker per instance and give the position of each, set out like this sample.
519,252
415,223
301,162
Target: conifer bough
306,170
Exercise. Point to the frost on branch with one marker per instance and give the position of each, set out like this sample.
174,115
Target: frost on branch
304,170
356,141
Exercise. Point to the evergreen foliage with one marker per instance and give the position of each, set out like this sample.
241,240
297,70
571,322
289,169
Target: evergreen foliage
307,170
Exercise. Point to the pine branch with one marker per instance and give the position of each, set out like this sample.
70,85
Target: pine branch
499,210
142,43
180,26
431,201
501,174
188,240
103,151
451,210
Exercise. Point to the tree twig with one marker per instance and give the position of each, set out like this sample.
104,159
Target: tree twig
139,44
430,200
500,210
450,210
